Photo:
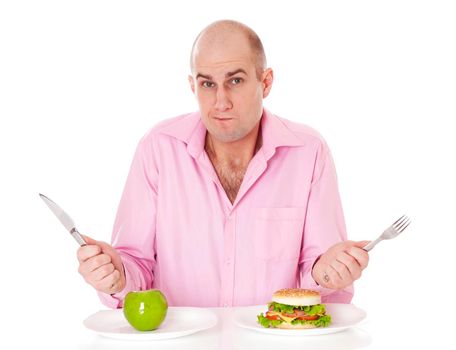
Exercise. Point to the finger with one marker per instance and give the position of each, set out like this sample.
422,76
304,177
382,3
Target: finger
342,270
93,263
351,263
334,277
106,248
107,282
102,272
96,261
361,256
87,251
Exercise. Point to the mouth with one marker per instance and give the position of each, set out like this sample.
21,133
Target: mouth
223,118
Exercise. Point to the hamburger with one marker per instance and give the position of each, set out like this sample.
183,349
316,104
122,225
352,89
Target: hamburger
295,309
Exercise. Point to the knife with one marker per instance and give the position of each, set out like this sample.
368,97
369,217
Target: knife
64,218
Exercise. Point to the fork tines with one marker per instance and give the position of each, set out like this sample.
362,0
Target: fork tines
401,223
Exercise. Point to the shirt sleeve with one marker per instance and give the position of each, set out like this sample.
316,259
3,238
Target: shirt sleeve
324,225
133,233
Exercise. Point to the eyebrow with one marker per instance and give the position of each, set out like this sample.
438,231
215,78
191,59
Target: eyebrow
227,75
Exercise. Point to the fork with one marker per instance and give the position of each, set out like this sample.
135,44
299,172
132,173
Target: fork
391,232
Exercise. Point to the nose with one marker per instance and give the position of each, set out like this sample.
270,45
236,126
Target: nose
222,102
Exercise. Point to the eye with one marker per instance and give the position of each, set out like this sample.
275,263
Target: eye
236,81
207,84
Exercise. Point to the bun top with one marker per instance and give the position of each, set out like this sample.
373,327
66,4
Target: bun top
297,297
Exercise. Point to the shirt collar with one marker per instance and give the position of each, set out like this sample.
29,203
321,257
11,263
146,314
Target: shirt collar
191,130
276,134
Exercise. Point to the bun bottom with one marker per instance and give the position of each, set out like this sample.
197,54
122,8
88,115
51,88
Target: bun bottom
285,325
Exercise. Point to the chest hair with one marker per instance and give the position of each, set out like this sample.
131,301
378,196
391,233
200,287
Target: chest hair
230,176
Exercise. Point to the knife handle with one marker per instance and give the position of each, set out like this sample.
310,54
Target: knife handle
77,236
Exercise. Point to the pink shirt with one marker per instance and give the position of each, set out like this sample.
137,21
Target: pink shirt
177,231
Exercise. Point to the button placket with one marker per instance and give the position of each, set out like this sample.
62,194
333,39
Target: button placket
228,259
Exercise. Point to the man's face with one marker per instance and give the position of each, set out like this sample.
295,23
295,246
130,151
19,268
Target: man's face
228,90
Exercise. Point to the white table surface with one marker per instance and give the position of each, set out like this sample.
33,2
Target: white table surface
226,335
48,329
371,333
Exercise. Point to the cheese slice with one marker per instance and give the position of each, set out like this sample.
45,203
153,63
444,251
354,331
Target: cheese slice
285,318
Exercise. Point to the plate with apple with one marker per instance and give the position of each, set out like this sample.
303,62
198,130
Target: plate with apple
146,316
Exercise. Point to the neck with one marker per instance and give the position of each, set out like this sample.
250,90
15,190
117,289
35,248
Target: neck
237,153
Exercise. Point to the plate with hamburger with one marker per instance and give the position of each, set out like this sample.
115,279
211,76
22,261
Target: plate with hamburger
299,312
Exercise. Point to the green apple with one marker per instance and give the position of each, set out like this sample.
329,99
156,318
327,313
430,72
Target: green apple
145,310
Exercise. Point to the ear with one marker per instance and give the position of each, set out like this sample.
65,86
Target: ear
192,83
267,78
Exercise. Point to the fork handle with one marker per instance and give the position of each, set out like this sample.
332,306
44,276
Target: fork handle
371,245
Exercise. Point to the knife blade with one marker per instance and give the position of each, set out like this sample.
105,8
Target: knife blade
64,218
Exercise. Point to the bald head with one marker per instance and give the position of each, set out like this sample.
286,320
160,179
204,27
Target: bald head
221,33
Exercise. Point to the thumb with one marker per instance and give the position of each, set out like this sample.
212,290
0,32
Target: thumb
360,244
89,240
105,247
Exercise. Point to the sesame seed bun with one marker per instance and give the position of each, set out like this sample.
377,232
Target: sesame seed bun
286,325
297,297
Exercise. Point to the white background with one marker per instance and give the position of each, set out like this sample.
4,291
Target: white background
82,81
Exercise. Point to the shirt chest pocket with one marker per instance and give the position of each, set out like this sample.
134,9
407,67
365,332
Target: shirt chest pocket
277,233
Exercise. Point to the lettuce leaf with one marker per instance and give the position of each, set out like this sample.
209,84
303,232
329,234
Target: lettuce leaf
267,323
323,321
318,309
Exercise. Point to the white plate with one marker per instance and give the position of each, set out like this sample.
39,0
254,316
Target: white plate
179,321
343,316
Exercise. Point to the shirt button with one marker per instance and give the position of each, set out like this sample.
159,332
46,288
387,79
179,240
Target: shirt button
225,305
228,262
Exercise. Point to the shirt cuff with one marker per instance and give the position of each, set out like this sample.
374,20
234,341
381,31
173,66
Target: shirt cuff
328,295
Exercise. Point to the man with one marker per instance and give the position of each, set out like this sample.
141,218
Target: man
226,205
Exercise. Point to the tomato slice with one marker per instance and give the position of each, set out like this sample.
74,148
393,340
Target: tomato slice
272,317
